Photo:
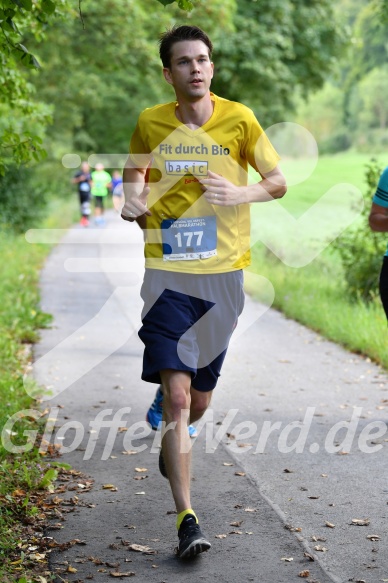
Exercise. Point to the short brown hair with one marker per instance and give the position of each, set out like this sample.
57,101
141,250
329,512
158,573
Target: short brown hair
178,34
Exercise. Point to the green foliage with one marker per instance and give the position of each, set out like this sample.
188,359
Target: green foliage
23,118
22,202
360,249
322,115
184,4
276,47
368,109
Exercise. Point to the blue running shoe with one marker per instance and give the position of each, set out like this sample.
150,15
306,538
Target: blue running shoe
155,413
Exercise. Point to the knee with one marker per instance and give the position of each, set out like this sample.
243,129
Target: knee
199,404
176,400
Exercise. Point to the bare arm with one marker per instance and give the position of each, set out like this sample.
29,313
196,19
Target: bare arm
378,218
135,193
220,191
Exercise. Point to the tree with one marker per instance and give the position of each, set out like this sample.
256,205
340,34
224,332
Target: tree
23,118
277,47
99,76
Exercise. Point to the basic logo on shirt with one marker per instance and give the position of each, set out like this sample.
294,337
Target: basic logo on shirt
182,167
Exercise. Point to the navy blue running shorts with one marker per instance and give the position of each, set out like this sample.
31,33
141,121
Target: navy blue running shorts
384,285
188,320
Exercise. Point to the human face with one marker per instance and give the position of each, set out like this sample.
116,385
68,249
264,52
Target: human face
190,71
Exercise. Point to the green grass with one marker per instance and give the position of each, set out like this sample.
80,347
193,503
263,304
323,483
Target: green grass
20,321
315,294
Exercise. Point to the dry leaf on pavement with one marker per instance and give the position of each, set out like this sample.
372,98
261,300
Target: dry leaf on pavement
221,536
360,521
141,470
236,523
320,548
118,574
305,573
373,537
287,559
142,549
71,569
329,524
239,473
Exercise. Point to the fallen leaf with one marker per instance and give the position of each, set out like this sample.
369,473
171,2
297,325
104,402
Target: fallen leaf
139,493
287,559
245,444
129,452
287,471
250,509
71,569
361,521
109,487
293,528
236,523
309,557
373,537
313,497
227,464
140,477
221,536
235,532
318,539
239,473
142,549
112,565
122,429
320,548
329,524
141,470
305,573
117,574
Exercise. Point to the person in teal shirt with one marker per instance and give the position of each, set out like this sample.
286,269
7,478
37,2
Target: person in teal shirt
100,185
378,221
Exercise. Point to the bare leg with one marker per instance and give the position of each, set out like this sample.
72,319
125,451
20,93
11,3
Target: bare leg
176,441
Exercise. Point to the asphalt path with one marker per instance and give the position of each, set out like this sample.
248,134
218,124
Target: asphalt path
290,465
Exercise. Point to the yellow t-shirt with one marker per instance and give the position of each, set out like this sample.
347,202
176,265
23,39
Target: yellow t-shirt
185,232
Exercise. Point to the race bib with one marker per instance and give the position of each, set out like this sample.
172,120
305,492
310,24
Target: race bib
190,238
84,186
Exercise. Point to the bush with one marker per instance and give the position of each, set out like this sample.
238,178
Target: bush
22,201
361,249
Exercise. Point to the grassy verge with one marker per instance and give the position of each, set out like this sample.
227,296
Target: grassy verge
315,295
24,477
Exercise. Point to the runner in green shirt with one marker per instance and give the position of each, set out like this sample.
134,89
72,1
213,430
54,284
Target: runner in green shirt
101,182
